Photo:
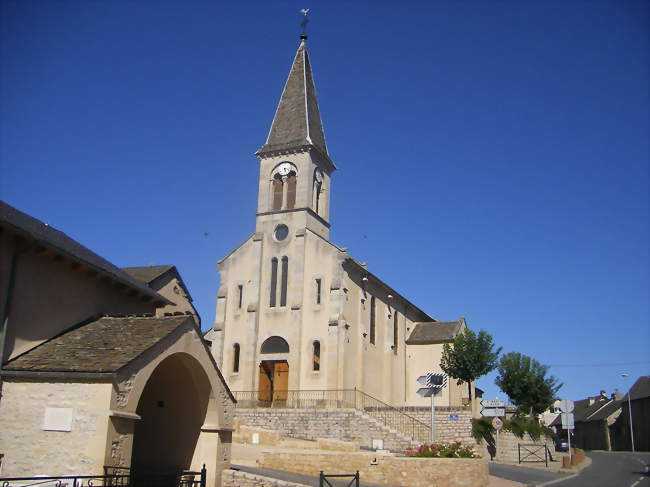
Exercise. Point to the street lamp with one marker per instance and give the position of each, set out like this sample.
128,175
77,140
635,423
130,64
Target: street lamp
629,409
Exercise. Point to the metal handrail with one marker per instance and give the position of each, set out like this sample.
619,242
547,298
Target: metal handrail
338,398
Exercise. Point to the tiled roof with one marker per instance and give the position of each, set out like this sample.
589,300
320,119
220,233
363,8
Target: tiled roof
148,273
640,389
103,345
434,332
606,411
297,121
50,237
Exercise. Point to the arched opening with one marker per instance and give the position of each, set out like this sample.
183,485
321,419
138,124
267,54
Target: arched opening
274,374
172,407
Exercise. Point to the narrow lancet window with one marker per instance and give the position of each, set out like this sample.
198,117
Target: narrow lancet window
274,281
316,358
285,281
240,295
235,357
395,332
318,286
372,320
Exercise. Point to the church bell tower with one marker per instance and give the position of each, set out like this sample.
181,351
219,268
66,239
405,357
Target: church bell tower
295,167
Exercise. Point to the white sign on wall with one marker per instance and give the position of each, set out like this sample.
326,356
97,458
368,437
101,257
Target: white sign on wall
57,419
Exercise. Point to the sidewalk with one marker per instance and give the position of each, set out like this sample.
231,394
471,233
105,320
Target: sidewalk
246,456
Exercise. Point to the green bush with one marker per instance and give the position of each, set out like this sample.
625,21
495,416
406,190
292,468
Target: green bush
482,428
444,450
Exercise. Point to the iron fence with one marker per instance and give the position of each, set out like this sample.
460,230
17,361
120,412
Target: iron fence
343,398
113,477
533,453
323,479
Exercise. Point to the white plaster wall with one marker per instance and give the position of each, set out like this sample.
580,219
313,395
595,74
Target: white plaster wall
31,451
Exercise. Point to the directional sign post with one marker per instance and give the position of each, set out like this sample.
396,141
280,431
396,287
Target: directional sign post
494,408
567,407
433,384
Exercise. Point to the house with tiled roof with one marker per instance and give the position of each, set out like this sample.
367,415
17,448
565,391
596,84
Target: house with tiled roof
109,362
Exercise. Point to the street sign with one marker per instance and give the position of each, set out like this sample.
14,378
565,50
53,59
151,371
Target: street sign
497,424
567,421
565,405
493,403
426,391
493,412
422,380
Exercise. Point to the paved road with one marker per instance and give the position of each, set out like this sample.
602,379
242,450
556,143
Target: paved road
524,475
613,469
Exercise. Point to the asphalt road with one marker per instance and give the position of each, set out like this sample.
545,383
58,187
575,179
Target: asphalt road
613,469
524,475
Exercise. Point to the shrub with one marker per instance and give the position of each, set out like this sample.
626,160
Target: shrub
444,450
482,428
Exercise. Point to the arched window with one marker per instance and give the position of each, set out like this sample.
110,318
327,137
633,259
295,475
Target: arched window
275,344
277,192
372,320
291,190
395,332
274,281
316,356
235,357
285,281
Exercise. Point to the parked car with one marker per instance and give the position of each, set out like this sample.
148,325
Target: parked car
561,444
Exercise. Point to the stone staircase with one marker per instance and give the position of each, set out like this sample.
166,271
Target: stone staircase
346,424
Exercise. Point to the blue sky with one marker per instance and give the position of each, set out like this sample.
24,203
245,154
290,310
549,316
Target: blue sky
493,156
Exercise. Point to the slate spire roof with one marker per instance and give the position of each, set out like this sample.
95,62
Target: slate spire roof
297,121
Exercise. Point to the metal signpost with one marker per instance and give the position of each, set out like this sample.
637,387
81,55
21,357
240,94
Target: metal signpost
433,384
494,408
566,407
497,424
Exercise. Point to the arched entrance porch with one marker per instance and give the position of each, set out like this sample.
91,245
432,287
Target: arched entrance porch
173,407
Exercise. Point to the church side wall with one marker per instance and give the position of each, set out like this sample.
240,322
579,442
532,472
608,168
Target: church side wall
32,450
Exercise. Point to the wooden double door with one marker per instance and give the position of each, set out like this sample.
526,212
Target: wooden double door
274,383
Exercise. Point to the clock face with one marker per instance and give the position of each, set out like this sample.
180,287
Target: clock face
318,174
284,169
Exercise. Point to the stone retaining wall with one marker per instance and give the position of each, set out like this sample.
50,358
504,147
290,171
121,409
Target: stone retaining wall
385,470
339,424
236,478
451,423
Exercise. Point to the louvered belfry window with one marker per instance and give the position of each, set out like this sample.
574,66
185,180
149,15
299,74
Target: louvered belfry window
277,193
291,191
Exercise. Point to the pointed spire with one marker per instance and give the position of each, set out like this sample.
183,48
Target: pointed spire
297,120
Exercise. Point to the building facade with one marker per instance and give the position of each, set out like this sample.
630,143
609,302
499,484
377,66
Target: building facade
295,312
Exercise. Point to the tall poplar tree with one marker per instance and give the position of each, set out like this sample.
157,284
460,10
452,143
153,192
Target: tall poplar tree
470,357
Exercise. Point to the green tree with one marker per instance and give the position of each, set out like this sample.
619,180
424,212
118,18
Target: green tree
524,380
470,357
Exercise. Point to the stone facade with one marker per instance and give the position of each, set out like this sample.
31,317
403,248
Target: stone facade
384,470
344,328
235,478
78,451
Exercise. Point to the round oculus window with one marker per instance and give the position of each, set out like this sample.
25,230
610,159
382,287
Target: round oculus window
281,232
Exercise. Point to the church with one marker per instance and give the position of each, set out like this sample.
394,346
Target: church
297,313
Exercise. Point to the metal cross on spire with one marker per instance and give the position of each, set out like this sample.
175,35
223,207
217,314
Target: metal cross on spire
303,24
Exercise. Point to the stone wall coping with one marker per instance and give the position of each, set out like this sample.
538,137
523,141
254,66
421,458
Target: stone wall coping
125,415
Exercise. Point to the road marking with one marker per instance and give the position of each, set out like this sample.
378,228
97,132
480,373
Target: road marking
550,482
